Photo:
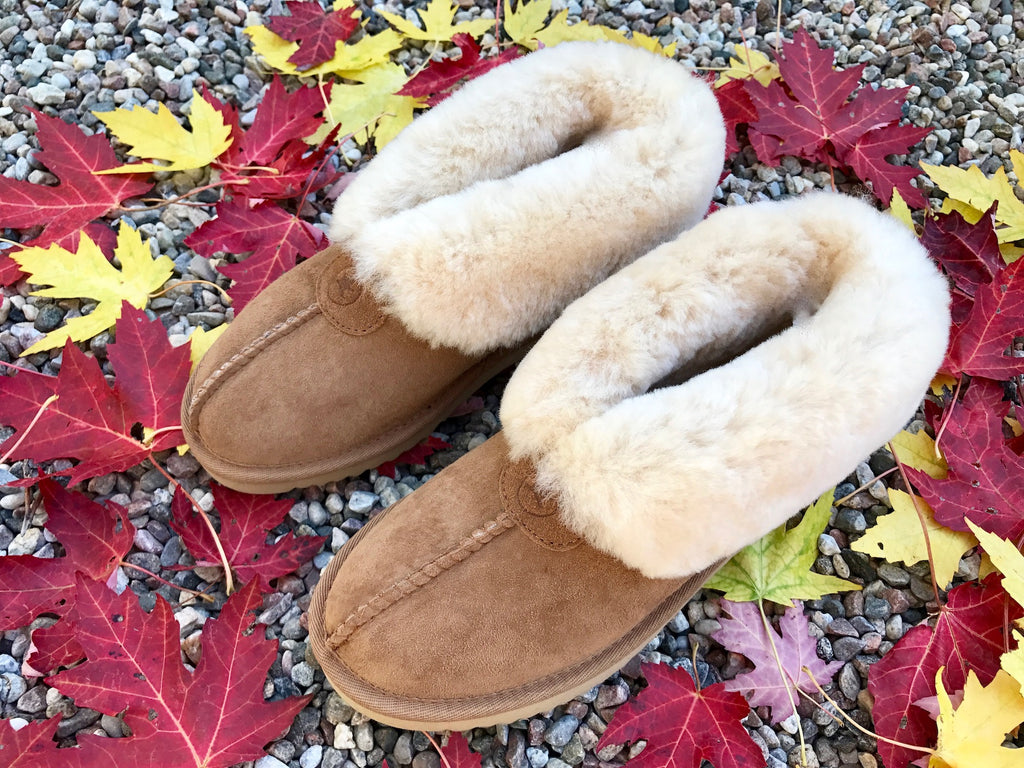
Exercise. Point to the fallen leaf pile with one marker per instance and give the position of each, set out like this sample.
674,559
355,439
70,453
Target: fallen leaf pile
945,695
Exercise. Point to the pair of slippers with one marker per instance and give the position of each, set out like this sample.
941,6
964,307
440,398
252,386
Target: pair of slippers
678,395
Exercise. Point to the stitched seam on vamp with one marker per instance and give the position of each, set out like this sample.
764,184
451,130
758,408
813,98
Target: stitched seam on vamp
418,578
249,351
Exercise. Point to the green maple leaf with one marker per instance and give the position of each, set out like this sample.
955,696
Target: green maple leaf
777,567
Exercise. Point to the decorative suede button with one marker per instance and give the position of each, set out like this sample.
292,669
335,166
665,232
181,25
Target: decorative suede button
537,515
345,303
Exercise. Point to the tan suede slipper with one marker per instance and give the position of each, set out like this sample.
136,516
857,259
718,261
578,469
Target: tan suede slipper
459,243
537,564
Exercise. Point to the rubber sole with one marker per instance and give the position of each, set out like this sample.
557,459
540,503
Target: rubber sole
504,706
275,480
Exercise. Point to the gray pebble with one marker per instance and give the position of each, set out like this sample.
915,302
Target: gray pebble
561,731
33,700
269,761
302,675
427,759
849,682
893,575
845,648
362,502
333,758
337,711
311,757
364,736
827,545
49,318
538,757
12,687
403,748
46,95
850,520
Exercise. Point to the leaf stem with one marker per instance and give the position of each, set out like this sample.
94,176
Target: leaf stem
229,579
46,404
433,743
168,289
853,722
150,574
770,633
921,520
18,368
855,491
947,416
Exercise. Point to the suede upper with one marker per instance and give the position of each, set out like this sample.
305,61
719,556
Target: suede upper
470,592
306,342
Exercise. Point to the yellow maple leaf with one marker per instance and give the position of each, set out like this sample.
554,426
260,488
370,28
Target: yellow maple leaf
1013,661
438,23
971,193
522,25
917,450
87,273
971,736
942,381
652,44
1007,558
745,64
901,210
371,108
559,30
160,136
898,537
349,58
200,342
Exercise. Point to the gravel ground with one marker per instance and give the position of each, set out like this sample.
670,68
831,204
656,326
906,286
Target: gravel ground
965,63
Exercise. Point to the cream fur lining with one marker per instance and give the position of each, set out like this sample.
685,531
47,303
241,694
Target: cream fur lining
482,220
673,479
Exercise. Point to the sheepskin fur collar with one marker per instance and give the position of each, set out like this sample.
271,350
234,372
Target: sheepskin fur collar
490,213
670,480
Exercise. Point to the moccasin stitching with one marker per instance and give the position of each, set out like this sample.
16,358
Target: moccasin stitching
647,626
421,576
246,353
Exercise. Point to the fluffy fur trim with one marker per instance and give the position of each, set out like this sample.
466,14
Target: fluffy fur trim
482,220
671,479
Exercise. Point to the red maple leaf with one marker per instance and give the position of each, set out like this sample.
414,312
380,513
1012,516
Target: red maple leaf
418,454
456,753
682,725
80,196
282,118
745,633
51,648
245,520
33,746
820,121
439,77
273,237
968,252
737,109
970,634
92,422
978,343
983,482
213,718
317,31
30,586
